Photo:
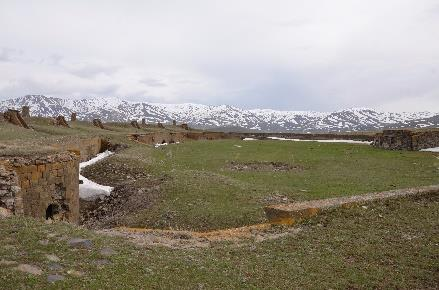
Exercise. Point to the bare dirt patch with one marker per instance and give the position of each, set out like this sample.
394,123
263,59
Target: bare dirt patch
263,166
176,239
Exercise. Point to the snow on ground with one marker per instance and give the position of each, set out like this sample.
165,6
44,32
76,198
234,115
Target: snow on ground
322,141
160,144
249,139
435,149
164,144
90,190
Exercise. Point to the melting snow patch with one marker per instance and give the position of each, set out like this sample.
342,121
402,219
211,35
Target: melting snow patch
164,144
435,149
239,146
249,139
90,190
322,141
160,144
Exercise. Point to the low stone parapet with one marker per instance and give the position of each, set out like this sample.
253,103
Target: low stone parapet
292,213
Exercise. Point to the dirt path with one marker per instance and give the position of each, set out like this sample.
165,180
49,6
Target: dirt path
284,214
188,239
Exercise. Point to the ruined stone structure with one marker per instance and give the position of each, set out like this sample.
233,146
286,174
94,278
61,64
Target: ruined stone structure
25,112
406,139
73,117
184,126
98,123
61,121
14,117
160,125
143,122
174,123
42,187
135,124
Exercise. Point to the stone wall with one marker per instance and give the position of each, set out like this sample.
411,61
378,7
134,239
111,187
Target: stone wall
406,139
172,137
41,187
87,148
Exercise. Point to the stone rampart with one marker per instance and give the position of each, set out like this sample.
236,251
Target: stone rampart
406,139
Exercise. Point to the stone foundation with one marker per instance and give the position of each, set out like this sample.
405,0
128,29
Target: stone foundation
406,139
42,187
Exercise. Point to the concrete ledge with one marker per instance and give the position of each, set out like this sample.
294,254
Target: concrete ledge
288,214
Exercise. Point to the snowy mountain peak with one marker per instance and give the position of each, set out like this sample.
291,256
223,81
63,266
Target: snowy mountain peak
223,116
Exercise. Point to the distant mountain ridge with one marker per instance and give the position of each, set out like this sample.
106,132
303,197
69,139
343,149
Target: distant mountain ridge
223,117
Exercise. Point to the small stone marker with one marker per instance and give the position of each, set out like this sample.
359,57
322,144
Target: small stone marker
61,121
52,258
73,117
80,243
26,268
75,273
55,278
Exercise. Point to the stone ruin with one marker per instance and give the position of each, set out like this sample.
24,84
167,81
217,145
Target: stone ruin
406,139
41,187
184,126
143,122
14,117
25,111
174,123
61,121
73,117
160,125
135,124
98,123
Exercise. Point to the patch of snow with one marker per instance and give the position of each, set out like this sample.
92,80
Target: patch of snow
434,149
160,144
249,139
90,190
239,146
323,141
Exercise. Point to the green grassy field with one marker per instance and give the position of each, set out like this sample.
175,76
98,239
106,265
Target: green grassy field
388,245
201,191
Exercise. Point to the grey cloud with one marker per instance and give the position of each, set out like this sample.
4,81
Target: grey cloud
150,82
296,54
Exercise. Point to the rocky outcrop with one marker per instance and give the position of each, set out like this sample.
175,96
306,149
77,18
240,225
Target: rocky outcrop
73,117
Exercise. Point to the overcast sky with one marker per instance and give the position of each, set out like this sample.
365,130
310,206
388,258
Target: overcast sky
290,55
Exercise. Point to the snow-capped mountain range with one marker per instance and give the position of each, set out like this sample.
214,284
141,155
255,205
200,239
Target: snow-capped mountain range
223,117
